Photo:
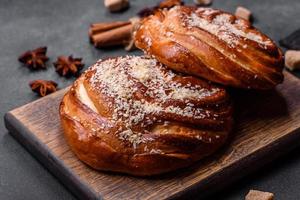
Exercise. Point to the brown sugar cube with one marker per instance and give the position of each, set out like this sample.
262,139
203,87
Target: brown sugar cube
203,2
243,13
259,195
116,5
292,59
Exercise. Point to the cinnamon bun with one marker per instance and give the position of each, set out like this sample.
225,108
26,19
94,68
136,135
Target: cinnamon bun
212,44
133,115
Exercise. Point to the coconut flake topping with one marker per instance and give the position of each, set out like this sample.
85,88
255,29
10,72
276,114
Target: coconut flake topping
142,89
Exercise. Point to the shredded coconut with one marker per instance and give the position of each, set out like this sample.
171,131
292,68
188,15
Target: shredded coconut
141,89
222,27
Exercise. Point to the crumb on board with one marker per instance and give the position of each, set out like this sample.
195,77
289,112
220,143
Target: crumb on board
292,59
259,195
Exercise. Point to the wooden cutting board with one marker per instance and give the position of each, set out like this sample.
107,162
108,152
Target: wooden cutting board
267,125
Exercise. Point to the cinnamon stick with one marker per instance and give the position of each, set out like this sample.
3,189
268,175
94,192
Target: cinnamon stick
114,33
116,36
101,27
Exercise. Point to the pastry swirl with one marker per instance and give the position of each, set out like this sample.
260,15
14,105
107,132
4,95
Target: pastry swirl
212,44
133,115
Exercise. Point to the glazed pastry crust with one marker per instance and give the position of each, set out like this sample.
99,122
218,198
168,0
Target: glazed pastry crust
212,44
151,134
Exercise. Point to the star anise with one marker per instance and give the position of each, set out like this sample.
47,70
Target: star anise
68,65
35,59
43,87
163,4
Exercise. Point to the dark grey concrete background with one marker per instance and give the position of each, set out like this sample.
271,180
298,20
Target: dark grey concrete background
62,26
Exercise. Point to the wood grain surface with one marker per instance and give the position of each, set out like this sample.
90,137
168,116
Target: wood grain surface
267,125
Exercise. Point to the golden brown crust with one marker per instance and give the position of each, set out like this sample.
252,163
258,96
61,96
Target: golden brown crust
132,115
212,44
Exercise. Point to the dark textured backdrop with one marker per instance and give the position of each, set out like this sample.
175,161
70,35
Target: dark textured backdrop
62,26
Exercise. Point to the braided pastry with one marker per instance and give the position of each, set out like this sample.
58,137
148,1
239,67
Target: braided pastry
212,44
133,115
